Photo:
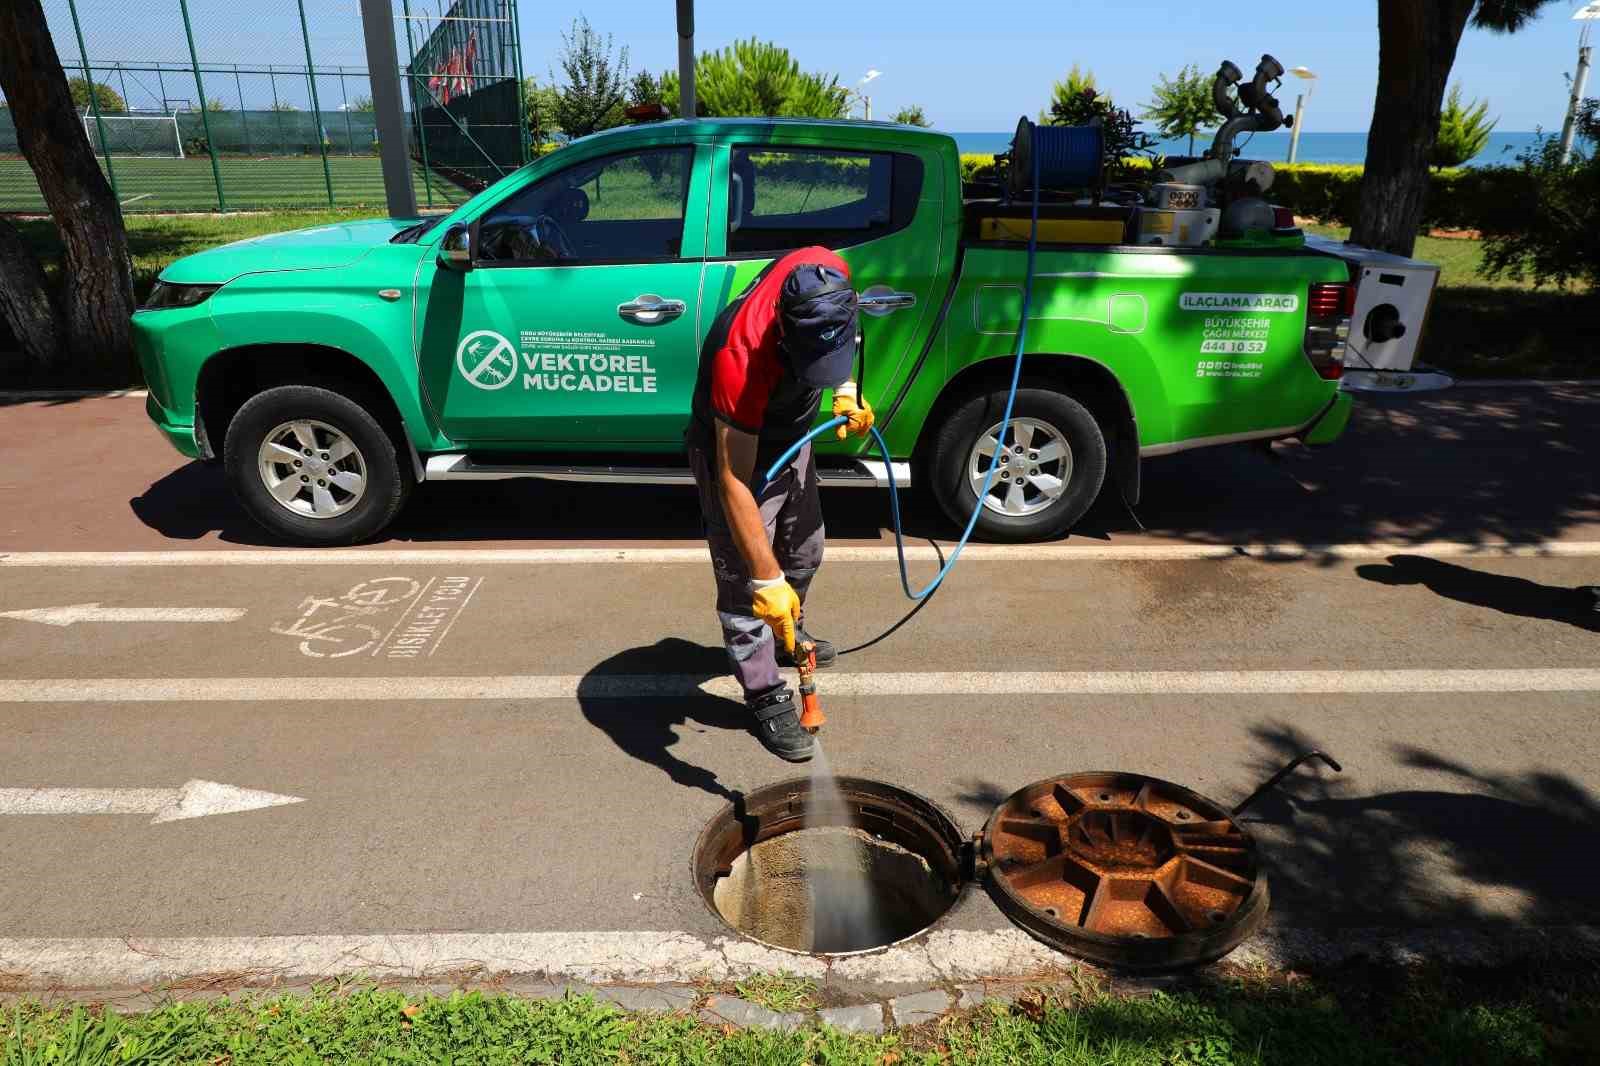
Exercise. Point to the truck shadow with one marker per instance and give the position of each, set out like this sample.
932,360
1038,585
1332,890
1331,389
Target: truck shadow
647,729
1497,592
1469,464
1482,848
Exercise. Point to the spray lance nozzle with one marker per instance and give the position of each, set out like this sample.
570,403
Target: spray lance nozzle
805,658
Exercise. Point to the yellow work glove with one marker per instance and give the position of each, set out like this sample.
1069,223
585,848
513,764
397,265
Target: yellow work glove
847,402
777,605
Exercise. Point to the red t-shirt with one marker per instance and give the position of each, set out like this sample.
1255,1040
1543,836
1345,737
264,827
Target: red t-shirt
745,367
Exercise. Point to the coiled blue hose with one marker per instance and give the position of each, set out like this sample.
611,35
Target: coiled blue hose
994,462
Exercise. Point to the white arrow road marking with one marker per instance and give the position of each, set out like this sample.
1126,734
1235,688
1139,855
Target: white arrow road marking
93,612
195,799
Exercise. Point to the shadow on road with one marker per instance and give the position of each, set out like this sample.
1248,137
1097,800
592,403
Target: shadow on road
1442,466
1498,848
647,728
1497,592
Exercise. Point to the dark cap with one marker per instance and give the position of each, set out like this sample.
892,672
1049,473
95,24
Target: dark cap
817,312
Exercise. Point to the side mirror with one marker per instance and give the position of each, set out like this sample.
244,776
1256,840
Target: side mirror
455,250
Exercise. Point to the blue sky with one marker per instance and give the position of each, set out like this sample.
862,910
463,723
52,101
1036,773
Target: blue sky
975,72
971,72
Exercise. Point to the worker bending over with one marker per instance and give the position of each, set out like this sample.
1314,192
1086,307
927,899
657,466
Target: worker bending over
763,367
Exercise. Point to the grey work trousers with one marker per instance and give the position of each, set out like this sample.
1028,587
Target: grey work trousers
792,513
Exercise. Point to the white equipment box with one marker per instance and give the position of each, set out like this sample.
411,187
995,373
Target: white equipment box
1392,299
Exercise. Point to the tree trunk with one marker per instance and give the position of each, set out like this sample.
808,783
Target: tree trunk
1417,42
96,292
27,308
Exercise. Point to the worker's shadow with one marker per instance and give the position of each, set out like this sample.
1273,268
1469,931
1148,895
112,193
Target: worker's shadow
1497,592
645,727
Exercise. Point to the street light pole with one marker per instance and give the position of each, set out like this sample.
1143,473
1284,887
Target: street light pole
1580,79
866,101
1300,110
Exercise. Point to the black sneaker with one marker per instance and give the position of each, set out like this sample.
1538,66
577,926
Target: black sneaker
826,656
777,726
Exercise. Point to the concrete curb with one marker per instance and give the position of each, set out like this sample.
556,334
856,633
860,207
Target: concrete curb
550,964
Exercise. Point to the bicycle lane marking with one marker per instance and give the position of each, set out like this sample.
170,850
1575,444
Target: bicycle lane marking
337,627
430,620
415,600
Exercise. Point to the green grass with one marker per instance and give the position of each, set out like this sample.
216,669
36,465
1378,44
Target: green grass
1500,328
249,184
781,992
1355,1019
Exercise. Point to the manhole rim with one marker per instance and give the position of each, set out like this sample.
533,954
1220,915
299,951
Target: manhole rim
1124,952
959,852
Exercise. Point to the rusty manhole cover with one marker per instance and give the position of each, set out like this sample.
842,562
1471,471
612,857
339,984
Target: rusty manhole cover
1124,869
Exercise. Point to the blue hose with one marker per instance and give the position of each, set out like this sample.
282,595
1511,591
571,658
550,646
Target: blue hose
994,463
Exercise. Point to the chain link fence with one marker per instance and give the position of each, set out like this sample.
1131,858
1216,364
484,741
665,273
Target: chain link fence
201,105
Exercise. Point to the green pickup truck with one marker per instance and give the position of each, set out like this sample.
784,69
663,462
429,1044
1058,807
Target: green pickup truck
550,328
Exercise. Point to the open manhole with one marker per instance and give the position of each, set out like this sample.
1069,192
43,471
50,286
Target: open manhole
796,871
1117,868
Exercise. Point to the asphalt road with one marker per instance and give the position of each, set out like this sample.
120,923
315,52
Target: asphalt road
484,745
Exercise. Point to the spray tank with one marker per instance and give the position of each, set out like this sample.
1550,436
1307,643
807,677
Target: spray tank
1194,202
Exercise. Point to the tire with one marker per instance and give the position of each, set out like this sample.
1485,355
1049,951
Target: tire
364,488
1046,510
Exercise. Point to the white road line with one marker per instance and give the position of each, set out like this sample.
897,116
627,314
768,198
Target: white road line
839,554
194,799
683,957
659,686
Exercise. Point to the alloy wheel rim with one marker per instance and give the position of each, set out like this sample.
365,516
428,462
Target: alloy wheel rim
1035,467
312,469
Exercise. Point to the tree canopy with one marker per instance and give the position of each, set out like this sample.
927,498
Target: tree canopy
911,116
595,81
1464,130
110,101
758,78
1183,106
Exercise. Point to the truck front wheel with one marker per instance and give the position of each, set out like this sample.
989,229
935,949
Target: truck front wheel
1051,464
313,466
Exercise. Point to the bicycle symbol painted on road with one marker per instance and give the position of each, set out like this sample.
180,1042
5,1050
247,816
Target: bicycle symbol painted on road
336,636
487,360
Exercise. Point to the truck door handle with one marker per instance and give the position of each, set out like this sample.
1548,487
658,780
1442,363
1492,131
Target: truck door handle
651,310
880,300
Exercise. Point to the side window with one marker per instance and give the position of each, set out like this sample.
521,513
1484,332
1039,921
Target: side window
779,199
622,208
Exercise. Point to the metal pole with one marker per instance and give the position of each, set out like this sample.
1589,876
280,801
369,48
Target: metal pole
388,107
277,110
316,109
244,119
416,111
686,101
1294,131
123,79
523,138
205,121
349,136
94,98
1580,82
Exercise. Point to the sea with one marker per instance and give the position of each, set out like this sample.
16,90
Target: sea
1503,148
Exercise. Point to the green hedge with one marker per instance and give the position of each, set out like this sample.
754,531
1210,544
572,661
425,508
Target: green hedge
1459,198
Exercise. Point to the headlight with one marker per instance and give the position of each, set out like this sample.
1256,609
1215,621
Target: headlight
165,295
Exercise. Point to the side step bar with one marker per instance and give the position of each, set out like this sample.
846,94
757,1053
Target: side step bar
459,466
